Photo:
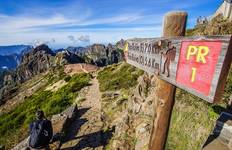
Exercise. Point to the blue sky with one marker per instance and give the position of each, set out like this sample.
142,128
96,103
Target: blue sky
62,23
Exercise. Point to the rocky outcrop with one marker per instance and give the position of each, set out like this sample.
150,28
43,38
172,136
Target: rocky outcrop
8,87
67,57
102,55
96,54
42,59
217,26
121,44
34,62
134,123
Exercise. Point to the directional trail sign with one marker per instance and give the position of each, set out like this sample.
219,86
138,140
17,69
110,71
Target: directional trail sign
198,65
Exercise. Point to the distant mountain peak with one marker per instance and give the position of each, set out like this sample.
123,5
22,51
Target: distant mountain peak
43,48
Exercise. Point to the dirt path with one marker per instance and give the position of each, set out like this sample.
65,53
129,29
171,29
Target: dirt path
86,131
79,68
83,69
93,96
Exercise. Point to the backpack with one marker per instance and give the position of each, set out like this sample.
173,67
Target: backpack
40,133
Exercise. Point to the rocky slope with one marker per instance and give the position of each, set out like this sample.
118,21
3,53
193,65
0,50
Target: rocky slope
217,26
67,57
110,119
36,61
127,111
126,98
101,55
42,59
127,102
97,54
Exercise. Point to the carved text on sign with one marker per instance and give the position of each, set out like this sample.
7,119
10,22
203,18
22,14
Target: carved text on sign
157,56
198,65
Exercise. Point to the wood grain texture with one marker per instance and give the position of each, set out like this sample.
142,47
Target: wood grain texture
148,55
165,92
174,24
219,90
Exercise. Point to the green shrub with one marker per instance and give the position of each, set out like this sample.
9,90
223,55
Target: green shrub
193,118
118,76
12,123
66,79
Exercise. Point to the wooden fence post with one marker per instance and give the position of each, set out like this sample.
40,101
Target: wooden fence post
174,25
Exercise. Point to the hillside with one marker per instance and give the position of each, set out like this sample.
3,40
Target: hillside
41,59
192,118
115,102
217,26
16,117
126,104
126,110
48,81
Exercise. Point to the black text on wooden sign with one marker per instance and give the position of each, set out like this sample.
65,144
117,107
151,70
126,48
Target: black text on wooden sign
198,65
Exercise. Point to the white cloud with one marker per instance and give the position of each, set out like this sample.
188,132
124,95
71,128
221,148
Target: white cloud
72,39
24,28
122,18
84,38
11,24
97,36
38,42
21,24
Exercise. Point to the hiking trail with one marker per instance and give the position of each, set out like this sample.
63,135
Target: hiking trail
86,130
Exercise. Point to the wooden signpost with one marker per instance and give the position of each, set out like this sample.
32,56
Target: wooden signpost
198,65
195,64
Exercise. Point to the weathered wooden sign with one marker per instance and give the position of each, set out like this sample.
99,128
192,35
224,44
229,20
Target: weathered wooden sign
198,65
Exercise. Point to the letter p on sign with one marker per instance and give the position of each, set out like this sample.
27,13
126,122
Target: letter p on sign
199,51
197,63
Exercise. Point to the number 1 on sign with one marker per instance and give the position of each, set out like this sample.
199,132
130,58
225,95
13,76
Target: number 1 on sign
194,72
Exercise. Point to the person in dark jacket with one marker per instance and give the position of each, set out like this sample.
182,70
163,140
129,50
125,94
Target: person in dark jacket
41,132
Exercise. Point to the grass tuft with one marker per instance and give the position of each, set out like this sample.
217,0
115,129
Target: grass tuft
118,76
15,123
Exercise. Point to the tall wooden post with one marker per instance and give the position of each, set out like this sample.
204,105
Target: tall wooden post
174,25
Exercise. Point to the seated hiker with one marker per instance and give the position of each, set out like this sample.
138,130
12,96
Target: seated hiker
41,132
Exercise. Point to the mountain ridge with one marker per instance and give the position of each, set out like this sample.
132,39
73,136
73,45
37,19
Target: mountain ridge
14,49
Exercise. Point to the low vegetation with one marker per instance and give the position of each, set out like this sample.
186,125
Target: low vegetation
217,26
193,119
118,76
14,124
117,83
